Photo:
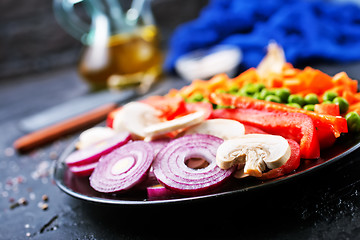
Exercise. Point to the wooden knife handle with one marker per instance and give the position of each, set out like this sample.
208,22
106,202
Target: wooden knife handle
51,133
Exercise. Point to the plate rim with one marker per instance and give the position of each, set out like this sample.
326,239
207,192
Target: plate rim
71,147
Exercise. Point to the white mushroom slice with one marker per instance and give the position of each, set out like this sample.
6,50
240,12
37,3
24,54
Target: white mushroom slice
118,123
94,135
136,116
257,151
175,124
142,120
222,128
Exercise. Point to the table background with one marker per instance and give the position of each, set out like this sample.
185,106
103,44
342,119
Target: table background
322,205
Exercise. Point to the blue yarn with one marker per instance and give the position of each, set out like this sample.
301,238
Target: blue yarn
305,29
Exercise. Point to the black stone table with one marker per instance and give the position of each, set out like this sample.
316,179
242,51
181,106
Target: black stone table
322,205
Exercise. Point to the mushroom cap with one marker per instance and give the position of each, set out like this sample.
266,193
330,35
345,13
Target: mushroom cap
222,128
256,151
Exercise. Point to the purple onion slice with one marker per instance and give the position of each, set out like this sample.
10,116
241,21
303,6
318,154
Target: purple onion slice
171,170
94,152
159,144
123,168
83,170
157,192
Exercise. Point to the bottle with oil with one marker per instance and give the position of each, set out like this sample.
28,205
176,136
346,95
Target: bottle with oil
120,48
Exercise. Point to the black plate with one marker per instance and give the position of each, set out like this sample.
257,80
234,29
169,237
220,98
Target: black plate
79,187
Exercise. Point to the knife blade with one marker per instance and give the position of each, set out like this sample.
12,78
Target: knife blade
89,102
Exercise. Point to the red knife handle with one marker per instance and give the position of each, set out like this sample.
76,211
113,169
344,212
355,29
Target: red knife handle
53,132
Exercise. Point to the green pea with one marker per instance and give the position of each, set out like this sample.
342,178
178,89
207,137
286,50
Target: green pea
222,107
353,121
259,87
273,98
327,102
196,97
220,91
329,96
295,105
256,96
250,89
233,89
343,104
309,107
296,99
264,93
283,94
243,92
311,98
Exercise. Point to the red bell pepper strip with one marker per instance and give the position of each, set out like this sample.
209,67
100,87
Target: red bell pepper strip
199,106
336,124
296,126
291,164
251,129
170,107
330,109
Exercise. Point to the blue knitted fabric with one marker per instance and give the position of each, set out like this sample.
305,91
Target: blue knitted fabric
305,29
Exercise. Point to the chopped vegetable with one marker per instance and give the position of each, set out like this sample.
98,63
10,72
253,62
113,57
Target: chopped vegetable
273,98
221,128
93,152
111,116
159,144
311,98
123,168
251,129
294,105
254,152
327,108
169,107
291,165
93,135
158,191
171,171
84,170
343,104
296,99
353,121
135,117
162,128
283,94
329,96
309,107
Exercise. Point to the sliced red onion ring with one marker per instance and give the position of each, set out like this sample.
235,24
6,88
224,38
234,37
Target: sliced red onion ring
94,152
159,144
157,192
83,170
170,168
123,168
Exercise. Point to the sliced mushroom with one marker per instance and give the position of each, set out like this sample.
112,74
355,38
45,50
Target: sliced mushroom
222,128
94,135
142,121
255,152
175,124
135,117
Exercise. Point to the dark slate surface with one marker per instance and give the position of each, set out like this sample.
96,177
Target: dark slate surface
323,205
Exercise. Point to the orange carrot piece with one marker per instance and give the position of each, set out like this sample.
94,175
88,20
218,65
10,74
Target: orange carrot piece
249,76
